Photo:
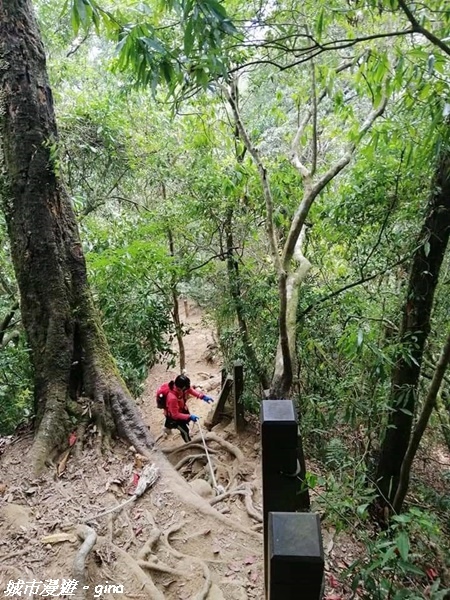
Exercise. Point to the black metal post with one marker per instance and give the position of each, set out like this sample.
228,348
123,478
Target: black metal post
279,461
295,557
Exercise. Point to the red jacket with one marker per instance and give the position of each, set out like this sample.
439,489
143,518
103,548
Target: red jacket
176,403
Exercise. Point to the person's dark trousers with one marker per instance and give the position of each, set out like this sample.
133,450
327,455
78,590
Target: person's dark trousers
182,427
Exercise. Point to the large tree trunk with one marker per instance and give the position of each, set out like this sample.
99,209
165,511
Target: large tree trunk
415,329
68,347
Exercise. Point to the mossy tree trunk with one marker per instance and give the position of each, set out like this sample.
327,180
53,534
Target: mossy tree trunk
69,351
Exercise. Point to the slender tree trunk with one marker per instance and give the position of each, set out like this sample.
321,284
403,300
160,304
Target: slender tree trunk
176,310
422,422
68,347
235,291
415,328
286,352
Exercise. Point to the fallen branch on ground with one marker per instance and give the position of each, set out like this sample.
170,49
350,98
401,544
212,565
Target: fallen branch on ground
149,476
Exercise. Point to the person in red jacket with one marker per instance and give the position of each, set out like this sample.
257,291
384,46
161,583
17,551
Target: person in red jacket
176,411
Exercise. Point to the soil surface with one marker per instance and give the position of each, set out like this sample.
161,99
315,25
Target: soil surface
174,542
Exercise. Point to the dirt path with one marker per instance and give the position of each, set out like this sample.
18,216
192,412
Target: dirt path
204,374
171,544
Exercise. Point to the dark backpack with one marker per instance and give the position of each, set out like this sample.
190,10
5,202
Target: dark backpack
161,396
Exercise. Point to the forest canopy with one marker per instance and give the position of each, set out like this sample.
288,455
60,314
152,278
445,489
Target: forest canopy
285,165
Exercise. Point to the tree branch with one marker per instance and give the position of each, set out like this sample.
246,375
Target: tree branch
387,215
303,210
418,28
314,118
319,49
349,286
231,97
7,320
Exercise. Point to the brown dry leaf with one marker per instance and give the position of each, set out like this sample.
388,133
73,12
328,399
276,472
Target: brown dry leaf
57,538
139,461
3,487
63,462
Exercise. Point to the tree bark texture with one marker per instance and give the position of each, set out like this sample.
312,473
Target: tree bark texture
415,328
289,290
68,347
422,422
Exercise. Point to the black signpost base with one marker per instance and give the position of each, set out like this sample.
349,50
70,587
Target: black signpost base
295,557
293,554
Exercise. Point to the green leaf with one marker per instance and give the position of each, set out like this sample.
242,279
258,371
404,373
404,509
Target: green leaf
75,20
426,248
81,9
319,24
403,545
154,44
189,37
216,7
408,567
406,412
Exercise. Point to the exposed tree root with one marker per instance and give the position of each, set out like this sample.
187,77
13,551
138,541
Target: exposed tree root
189,458
192,536
179,485
246,491
89,537
14,554
226,495
232,449
188,446
251,511
153,563
203,594
150,589
209,437
160,568
147,548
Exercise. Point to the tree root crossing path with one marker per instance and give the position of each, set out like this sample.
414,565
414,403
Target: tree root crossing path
113,523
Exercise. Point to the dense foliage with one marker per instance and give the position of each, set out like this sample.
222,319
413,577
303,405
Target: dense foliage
185,193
